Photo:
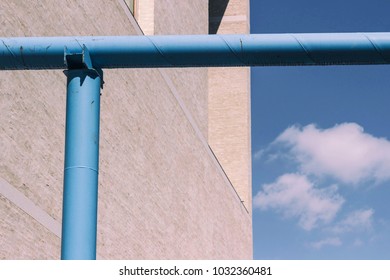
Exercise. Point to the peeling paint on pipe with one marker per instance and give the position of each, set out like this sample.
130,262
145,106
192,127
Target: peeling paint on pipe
199,50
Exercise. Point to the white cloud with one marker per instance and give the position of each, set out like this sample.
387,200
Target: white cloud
332,241
258,154
357,220
344,152
295,196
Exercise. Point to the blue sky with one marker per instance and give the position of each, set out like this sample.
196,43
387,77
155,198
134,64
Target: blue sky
321,141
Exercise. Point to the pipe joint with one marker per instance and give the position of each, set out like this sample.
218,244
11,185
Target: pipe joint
81,61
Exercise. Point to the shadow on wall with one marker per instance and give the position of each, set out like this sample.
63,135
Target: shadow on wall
217,9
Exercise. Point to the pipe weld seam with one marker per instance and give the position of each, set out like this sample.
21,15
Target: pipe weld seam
81,167
376,47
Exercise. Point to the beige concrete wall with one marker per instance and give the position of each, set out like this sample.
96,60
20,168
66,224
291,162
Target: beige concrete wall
161,192
229,130
192,19
144,13
22,237
181,17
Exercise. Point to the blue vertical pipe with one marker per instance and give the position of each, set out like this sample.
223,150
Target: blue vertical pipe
79,219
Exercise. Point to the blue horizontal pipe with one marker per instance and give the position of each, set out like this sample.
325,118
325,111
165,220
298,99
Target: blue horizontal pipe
198,50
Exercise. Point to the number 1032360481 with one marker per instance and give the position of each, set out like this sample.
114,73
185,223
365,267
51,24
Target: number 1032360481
232,270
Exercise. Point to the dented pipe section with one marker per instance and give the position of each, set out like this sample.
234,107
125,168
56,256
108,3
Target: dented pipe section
198,50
